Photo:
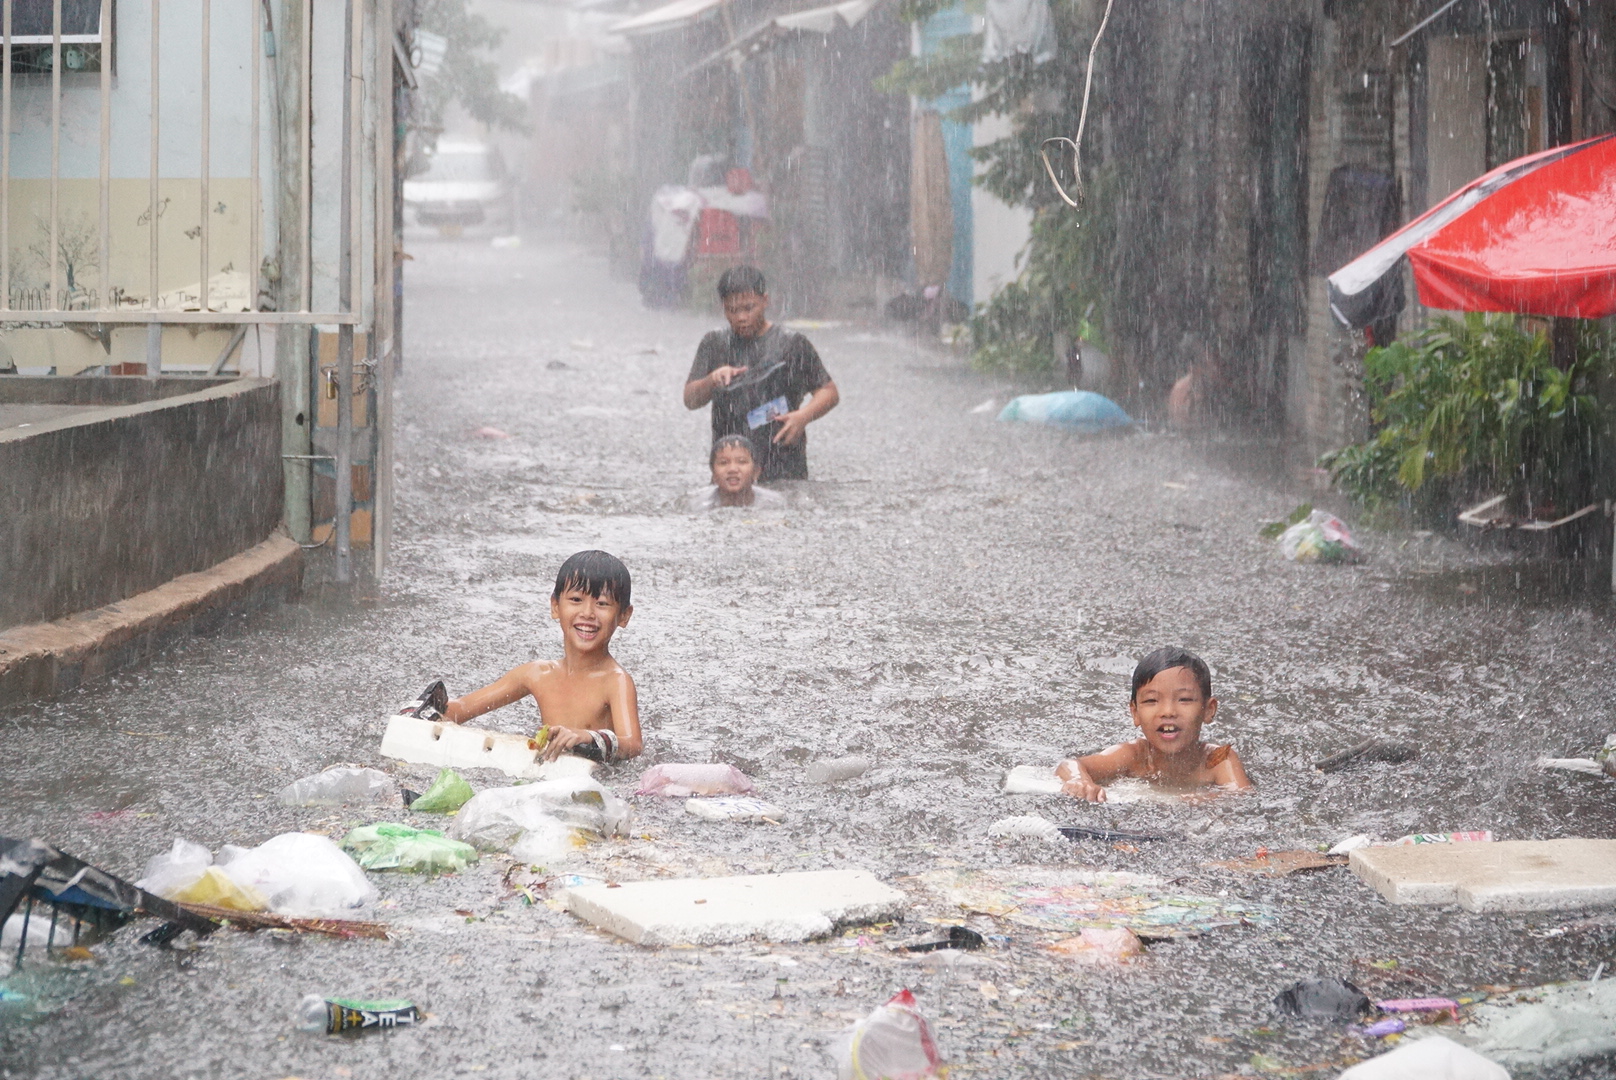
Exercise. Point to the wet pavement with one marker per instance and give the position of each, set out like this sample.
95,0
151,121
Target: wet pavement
948,596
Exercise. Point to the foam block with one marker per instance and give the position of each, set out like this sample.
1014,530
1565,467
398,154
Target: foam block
435,742
1509,875
715,911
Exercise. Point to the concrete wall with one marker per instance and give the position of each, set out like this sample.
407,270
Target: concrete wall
118,499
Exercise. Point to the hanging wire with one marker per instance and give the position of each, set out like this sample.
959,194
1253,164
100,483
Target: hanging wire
1076,143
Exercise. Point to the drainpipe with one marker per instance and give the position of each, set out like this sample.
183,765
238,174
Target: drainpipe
345,300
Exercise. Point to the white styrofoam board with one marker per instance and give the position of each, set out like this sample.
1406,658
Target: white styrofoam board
715,911
454,746
1506,875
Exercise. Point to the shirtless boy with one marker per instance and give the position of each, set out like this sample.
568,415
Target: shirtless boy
1171,701
585,697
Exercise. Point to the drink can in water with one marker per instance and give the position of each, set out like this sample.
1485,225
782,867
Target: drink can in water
336,1015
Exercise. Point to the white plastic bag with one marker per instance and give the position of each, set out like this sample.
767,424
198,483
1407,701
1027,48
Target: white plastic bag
1321,538
678,780
176,869
893,1043
548,841
1432,1058
739,808
495,819
302,875
1027,826
341,785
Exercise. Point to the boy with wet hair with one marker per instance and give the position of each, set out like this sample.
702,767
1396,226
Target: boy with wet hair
1170,702
587,702
735,473
757,375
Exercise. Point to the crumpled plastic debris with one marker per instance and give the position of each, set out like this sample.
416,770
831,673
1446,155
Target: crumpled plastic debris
1431,1058
448,793
390,846
303,875
341,785
1321,538
1101,945
216,888
734,808
175,869
832,770
1328,999
681,779
1543,1027
498,818
1029,826
893,1043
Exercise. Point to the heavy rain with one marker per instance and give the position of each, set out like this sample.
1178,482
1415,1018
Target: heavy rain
1266,395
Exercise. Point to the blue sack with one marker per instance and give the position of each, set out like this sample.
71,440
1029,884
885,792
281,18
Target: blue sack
1074,410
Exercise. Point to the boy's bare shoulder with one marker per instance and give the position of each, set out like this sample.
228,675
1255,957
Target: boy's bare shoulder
535,671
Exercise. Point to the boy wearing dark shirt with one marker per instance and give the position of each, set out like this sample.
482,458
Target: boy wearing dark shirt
756,376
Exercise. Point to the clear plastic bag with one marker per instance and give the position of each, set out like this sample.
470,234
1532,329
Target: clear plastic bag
389,846
176,869
302,875
678,780
1321,538
495,819
341,785
448,793
893,1043
216,888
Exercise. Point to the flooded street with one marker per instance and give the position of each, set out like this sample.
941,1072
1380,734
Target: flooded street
948,596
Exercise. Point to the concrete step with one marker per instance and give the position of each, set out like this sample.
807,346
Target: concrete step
1507,875
715,911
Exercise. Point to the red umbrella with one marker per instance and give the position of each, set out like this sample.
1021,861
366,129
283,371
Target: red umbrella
1536,236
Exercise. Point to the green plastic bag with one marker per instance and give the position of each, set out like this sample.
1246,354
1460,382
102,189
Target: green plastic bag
447,794
387,846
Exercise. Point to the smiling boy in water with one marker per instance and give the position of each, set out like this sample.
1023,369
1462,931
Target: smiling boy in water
735,473
1170,702
585,697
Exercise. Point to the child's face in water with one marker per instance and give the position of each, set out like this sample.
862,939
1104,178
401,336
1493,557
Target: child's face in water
1170,710
734,471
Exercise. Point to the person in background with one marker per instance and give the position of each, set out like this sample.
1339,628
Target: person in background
762,380
735,474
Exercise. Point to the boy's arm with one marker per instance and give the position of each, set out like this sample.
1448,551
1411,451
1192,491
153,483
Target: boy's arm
1230,773
511,686
1085,777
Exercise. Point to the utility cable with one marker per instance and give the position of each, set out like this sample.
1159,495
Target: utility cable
1076,143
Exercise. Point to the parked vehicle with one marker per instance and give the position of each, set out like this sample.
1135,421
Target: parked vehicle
464,184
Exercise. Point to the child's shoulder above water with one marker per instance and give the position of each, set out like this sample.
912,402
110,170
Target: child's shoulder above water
1171,701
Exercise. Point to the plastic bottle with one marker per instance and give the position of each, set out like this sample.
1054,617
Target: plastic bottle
316,1014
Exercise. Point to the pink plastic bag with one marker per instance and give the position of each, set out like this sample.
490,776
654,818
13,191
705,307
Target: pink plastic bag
893,1043
1096,945
679,780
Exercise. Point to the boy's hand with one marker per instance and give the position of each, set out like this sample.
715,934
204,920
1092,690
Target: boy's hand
791,428
455,712
1082,787
723,376
563,739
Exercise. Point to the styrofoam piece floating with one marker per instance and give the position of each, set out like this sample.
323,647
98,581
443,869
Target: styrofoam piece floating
1032,780
716,911
734,808
446,745
1432,1058
1507,875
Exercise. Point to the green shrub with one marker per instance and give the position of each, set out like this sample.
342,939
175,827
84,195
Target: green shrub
1472,406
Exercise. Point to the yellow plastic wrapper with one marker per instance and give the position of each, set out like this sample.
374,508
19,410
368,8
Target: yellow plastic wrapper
216,889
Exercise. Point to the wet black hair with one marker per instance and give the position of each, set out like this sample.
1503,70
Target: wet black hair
741,279
724,441
596,573
1165,659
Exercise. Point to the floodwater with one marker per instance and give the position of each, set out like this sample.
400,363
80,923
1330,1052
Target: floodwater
950,597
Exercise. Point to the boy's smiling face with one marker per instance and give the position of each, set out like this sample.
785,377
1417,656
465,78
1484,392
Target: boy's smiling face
588,622
734,471
1170,710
